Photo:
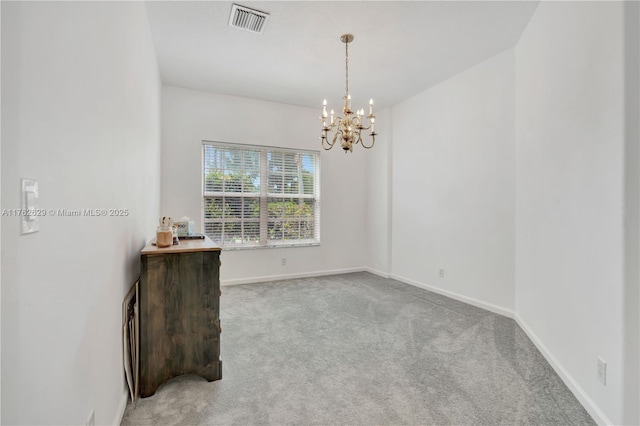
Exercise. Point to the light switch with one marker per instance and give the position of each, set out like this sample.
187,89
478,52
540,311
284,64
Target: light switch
29,211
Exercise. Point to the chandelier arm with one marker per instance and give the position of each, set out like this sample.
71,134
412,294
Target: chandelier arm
373,141
335,137
333,126
355,123
325,140
359,138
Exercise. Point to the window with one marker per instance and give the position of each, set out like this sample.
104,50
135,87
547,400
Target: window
255,196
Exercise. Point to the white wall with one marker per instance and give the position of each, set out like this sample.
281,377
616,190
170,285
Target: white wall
631,350
378,213
569,202
80,114
0,226
190,116
453,186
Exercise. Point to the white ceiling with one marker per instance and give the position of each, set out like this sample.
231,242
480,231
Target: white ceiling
400,49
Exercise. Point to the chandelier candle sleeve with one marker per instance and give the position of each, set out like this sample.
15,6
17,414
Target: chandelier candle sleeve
324,113
348,129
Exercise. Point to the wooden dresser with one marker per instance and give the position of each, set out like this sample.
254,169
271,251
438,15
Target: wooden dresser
179,313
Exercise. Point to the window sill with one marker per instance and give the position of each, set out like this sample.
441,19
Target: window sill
273,246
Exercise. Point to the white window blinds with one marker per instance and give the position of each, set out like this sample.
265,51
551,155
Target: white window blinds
256,196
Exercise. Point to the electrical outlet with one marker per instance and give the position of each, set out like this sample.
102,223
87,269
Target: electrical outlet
602,371
283,261
441,272
91,421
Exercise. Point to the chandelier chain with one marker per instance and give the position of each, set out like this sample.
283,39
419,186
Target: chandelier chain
346,68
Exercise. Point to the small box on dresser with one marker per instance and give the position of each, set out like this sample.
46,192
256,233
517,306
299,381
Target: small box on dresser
185,227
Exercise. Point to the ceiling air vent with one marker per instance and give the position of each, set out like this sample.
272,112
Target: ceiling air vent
247,19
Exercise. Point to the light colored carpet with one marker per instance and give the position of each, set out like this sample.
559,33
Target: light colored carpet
357,349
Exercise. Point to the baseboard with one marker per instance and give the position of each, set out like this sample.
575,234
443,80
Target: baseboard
478,303
488,306
121,407
377,272
268,278
588,404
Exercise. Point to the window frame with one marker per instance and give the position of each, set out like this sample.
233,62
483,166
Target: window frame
265,218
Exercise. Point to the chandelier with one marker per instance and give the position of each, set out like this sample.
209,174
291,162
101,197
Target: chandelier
349,128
